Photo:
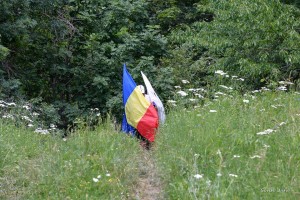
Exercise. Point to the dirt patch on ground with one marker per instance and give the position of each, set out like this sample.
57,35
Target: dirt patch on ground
149,186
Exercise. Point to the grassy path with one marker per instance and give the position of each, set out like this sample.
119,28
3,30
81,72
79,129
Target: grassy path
148,186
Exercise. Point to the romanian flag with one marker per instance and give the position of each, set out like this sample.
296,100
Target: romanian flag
139,112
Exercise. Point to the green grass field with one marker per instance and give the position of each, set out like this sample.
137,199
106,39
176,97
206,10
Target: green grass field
88,165
223,151
241,147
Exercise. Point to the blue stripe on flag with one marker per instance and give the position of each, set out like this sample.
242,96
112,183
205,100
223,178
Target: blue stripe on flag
128,86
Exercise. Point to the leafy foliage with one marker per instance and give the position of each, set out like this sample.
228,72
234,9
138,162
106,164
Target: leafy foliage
254,39
69,53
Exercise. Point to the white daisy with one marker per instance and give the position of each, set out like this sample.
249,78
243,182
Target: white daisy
198,176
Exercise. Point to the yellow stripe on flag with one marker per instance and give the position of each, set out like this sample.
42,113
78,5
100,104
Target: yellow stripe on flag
136,106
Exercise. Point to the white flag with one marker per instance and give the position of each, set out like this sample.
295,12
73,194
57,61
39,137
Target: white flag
154,98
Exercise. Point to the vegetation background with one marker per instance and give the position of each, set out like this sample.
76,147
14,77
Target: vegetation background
227,71
66,56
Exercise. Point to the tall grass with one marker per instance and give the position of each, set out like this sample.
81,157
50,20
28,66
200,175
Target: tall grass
223,151
235,147
98,164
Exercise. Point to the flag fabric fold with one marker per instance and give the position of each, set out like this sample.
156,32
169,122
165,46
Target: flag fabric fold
139,112
155,99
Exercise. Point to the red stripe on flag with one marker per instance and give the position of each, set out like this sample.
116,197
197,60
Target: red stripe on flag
148,124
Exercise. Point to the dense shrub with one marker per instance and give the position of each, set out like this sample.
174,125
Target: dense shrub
68,55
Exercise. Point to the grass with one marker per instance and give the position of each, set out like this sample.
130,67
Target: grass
39,166
233,161
199,154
